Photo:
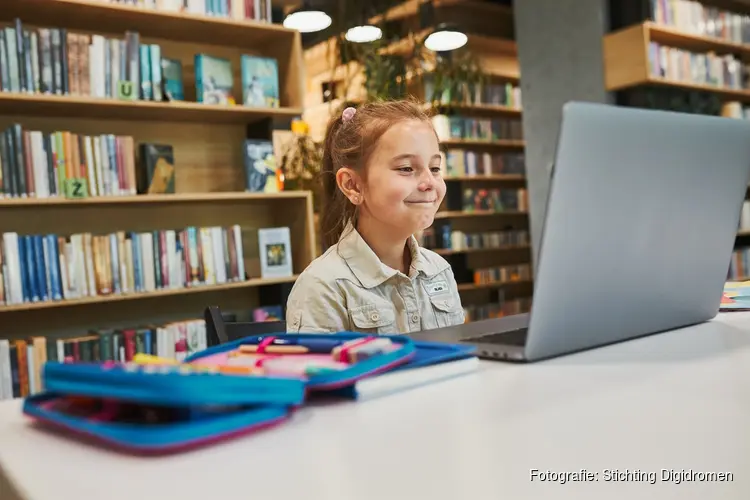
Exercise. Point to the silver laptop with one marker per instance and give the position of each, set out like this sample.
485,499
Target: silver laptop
641,219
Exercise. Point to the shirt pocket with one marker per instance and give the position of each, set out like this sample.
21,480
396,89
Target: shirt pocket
373,318
448,310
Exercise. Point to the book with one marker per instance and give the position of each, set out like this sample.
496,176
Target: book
171,72
268,313
260,81
261,173
736,296
213,79
275,250
156,173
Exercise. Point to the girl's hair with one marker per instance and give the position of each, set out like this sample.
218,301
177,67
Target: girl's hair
349,143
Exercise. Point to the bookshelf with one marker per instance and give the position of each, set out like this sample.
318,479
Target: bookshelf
686,56
207,141
490,266
628,64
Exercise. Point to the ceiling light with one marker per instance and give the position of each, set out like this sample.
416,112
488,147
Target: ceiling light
363,34
307,20
445,38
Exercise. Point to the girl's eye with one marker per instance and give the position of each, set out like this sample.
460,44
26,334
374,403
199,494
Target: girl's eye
435,170
405,169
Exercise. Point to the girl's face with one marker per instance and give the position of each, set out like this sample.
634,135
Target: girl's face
404,185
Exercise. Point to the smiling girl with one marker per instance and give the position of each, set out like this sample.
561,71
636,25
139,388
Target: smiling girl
383,183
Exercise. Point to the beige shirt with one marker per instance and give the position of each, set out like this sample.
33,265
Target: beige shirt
348,288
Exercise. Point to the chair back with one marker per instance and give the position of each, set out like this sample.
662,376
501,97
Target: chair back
219,331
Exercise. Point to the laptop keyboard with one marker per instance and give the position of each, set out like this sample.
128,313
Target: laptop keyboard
513,337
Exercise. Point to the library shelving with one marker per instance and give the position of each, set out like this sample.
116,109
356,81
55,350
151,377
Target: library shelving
629,63
12,103
208,156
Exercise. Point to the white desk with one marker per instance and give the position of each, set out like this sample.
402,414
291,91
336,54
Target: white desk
679,400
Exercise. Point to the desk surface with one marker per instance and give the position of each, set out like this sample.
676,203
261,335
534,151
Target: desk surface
679,400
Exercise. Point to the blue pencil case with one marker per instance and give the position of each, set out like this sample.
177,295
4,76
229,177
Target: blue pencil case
156,409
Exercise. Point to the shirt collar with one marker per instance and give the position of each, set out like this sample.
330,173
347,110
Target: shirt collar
368,268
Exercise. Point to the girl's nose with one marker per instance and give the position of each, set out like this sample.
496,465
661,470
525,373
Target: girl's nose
426,181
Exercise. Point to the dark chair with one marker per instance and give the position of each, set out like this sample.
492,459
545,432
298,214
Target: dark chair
219,331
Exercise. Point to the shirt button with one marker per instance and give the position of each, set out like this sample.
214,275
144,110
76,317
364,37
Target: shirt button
375,316
415,318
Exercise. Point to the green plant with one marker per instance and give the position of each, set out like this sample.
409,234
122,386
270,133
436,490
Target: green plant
455,78
301,161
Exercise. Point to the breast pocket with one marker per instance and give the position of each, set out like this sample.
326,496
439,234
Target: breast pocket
448,310
374,318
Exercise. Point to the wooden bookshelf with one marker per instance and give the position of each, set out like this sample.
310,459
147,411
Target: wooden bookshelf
510,248
103,215
627,64
478,144
104,17
460,214
514,178
476,109
208,145
102,299
112,109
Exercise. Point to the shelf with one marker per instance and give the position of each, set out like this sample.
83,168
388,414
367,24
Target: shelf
472,143
457,214
743,233
487,178
674,37
465,287
627,64
253,282
450,251
99,108
478,109
100,16
163,199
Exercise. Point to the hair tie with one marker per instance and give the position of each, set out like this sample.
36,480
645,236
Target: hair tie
348,114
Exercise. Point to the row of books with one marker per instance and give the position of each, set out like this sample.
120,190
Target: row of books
463,163
38,164
495,200
256,10
504,307
502,274
707,20
477,129
446,238
38,268
739,265
56,61
502,94
725,71
21,361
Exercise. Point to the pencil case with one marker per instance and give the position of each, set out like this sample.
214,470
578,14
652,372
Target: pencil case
323,361
173,385
140,428
159,408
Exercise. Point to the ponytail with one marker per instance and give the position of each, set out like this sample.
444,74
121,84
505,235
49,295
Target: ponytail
337,210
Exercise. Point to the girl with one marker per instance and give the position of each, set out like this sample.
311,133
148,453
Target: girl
383,183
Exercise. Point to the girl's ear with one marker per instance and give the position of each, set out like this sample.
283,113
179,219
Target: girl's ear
350,184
